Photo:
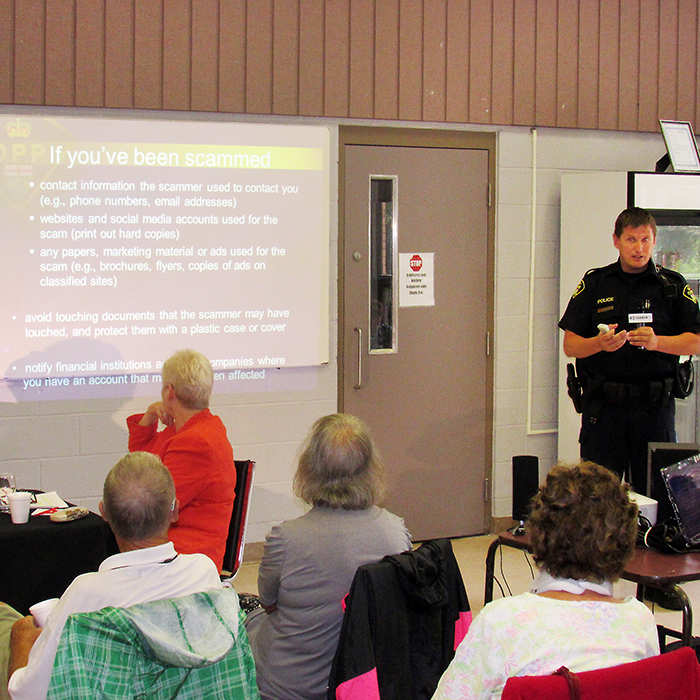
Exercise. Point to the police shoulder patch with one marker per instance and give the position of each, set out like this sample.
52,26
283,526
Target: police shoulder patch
688,294
579,288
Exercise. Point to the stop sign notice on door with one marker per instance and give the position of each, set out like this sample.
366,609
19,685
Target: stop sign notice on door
416,279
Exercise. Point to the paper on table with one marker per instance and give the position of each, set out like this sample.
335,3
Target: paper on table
48,500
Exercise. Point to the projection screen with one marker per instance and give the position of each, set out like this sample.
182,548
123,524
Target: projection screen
126,239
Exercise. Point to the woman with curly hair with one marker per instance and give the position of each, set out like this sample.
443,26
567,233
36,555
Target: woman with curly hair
582,531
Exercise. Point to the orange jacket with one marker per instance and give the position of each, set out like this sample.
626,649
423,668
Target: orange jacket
200,459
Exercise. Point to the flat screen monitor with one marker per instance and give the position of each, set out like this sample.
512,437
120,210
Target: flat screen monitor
661,455
683,482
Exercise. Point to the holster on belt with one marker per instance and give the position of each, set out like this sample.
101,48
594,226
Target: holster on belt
593,395
573,387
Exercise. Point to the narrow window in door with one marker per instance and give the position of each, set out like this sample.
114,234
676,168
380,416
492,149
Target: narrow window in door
382,246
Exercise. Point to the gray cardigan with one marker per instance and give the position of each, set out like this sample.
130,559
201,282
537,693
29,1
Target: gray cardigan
307,569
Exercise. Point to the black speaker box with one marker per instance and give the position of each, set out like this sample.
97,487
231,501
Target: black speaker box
526,478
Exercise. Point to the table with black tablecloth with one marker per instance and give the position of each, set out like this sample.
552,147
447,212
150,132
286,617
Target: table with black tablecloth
39,559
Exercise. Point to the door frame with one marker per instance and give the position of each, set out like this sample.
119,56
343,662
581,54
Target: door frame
427,138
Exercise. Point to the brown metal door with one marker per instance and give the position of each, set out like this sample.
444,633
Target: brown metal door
426,395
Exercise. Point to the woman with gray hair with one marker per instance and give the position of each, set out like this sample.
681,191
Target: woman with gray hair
309,563
195,448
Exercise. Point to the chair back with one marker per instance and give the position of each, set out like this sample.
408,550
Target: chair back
671,676
404,618
235,542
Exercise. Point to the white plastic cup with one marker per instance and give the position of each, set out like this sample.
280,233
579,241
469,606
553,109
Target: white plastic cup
40,611
19,505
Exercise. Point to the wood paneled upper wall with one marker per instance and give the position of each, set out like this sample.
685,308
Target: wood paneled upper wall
597,64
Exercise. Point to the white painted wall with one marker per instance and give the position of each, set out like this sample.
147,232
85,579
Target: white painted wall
599,197
70,447
559,151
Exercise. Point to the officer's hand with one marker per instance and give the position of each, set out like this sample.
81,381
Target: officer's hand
611,341
643,337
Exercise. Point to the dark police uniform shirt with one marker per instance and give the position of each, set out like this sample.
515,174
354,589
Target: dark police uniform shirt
609,295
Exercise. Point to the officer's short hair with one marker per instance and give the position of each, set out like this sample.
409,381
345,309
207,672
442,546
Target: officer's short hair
634,217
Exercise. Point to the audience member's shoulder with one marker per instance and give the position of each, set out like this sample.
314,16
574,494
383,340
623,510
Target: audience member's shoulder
198,560
279,530
388,515
508,606
631,603
83,582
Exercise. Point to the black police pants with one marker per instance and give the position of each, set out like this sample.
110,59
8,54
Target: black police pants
618,439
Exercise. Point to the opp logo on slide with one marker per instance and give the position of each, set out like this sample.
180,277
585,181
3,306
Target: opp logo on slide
416,263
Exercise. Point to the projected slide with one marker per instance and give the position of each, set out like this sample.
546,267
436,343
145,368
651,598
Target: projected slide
124,240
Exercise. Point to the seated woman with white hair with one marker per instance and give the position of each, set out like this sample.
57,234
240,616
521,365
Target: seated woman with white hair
309,563
582,530
195,448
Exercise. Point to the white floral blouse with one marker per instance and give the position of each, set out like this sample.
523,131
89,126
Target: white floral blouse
531,635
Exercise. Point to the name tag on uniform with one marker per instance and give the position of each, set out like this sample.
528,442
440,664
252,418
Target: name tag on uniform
641,318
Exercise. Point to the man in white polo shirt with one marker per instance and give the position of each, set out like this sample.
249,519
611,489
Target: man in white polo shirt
139,504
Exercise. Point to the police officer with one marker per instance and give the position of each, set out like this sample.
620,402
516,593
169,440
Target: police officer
627,324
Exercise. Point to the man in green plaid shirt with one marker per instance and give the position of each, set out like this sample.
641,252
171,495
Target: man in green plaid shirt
180,647
191,640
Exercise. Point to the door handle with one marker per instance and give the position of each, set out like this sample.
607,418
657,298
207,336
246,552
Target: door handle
359,359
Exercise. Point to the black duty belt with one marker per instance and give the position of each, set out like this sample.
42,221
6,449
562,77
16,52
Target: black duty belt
652,392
